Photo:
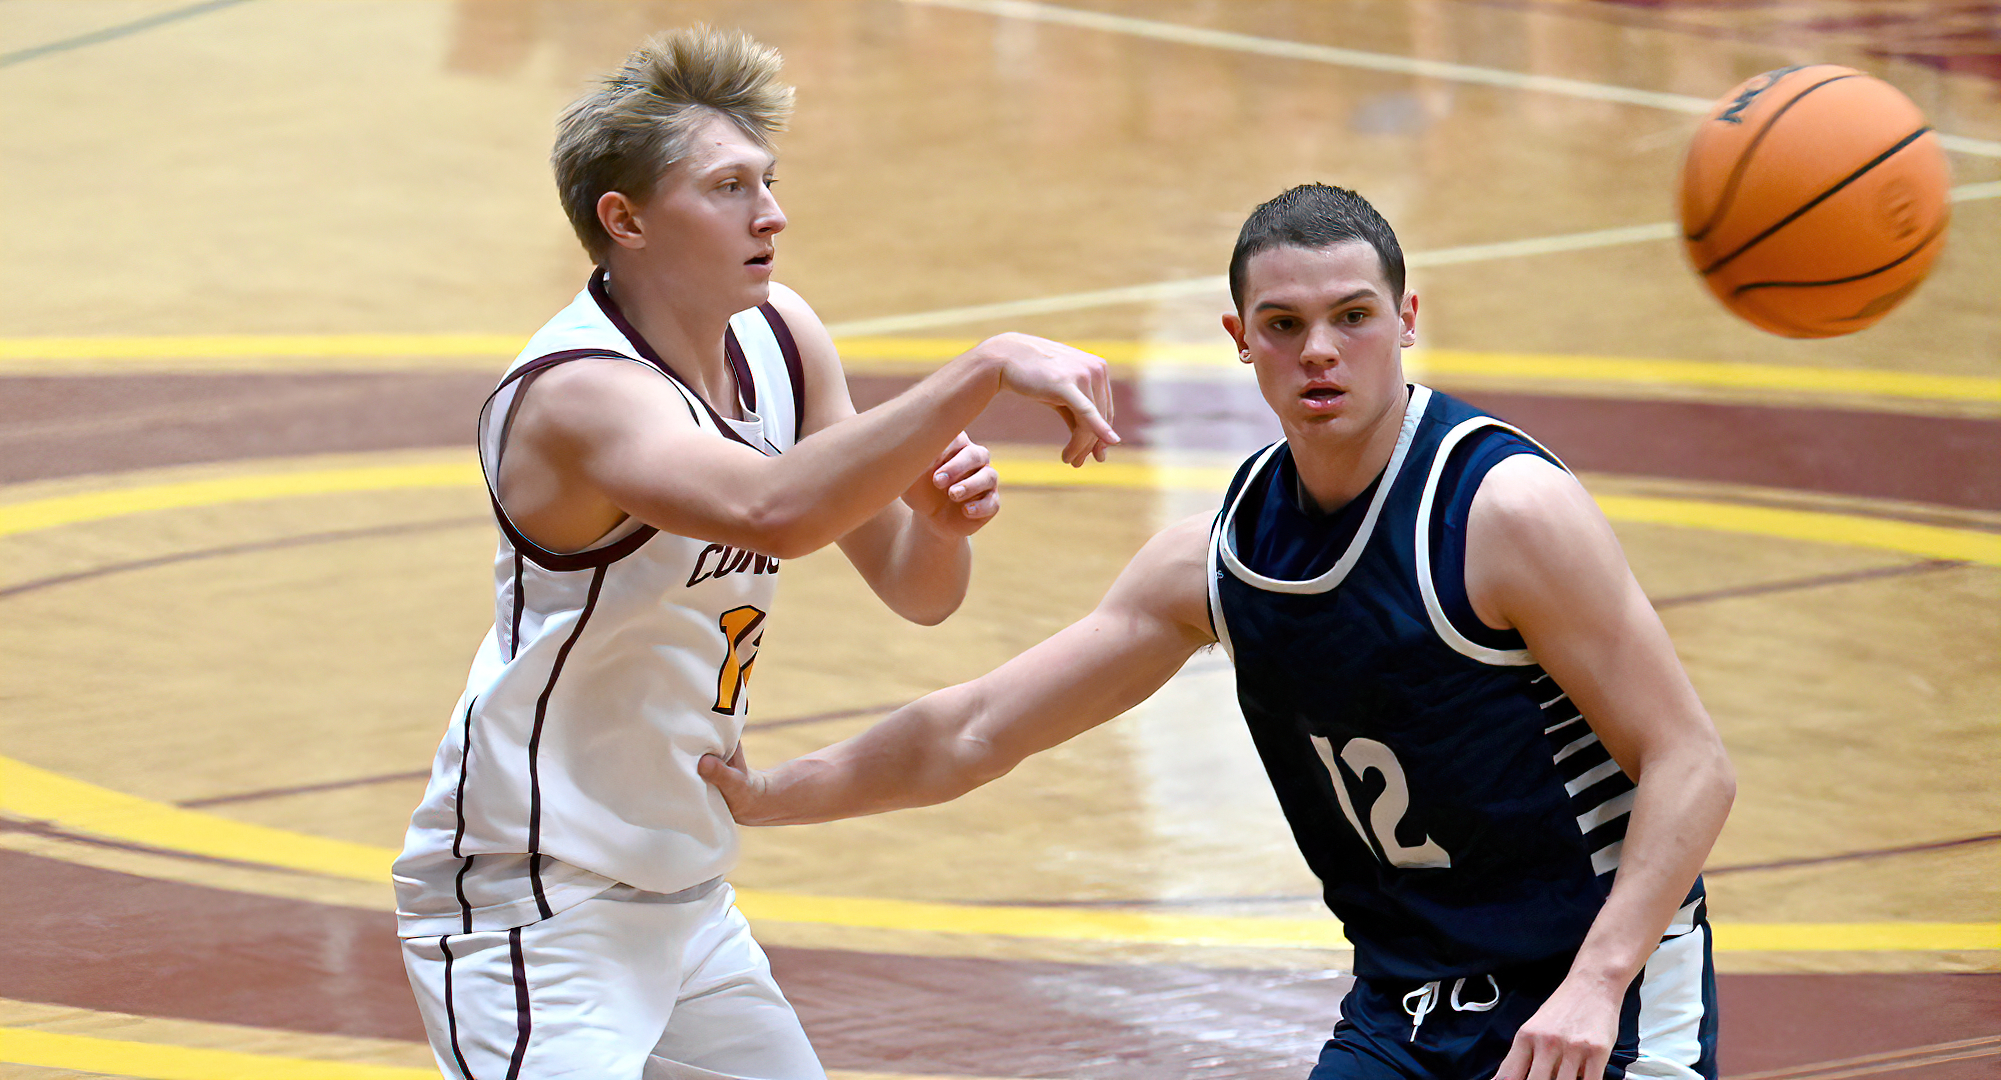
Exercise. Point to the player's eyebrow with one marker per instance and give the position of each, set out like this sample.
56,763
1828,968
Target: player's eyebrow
1359,294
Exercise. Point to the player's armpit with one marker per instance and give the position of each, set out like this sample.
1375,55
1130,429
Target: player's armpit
949,742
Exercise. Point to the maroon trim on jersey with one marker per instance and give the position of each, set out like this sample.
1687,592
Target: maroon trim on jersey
535,745
746,387
522,1024
602,295
548,560
459,806
794,370
451,1012
514,624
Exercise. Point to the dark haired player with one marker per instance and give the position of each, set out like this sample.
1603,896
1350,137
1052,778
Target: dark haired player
1475,723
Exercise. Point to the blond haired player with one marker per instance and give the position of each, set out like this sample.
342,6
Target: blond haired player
657,450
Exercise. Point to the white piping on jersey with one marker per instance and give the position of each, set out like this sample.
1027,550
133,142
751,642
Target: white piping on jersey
1447,632
1216,592
1606,859
1420,396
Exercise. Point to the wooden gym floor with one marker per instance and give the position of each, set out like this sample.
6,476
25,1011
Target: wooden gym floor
263,260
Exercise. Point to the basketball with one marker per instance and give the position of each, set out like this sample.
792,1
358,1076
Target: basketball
1814,200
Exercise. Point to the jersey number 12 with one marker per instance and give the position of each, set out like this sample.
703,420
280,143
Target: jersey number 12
1363,755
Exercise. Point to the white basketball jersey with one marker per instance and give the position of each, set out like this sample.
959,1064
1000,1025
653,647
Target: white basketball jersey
569,765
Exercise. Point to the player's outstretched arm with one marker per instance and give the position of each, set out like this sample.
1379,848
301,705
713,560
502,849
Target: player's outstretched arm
1542,559
915,553
614,428
952,741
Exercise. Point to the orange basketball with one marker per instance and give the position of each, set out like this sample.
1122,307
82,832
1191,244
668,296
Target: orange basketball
1813,200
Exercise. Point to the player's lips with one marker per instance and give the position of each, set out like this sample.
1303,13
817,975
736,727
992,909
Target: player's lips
763,260
1322,398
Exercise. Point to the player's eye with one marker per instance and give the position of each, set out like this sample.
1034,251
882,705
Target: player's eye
1353,316
1283,324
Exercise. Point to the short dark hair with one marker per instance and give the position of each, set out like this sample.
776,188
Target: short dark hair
1315,216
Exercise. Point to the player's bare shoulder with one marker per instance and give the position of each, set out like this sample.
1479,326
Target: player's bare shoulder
1168,580
580,402
1535,537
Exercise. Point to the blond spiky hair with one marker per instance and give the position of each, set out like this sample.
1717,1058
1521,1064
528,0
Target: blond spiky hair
639,121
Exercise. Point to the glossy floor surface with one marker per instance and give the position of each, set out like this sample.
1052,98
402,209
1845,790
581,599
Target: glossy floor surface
264,260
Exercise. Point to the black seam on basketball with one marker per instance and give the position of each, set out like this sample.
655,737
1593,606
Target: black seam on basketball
1892,264
535,744
1818,199
1744,160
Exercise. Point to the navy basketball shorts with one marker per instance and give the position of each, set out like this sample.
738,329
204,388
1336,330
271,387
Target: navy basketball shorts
1462,1029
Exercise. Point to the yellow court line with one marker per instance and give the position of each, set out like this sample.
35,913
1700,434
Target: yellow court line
921,354
261,346
160,1061
164,1061
1816,526
48,513
40,795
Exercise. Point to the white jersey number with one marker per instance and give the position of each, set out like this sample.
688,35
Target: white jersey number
1388,811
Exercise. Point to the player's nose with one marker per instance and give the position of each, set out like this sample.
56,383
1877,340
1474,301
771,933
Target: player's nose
1322,347
770,219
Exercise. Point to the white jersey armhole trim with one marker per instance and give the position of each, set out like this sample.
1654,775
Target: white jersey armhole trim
1440,624
1216,616
1420,397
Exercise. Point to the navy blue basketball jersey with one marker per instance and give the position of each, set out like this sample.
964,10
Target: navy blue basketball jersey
1459,811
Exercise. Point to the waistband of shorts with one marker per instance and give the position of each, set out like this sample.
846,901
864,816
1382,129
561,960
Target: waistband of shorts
632,895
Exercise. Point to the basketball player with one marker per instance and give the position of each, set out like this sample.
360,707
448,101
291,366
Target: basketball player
657,450
1477,728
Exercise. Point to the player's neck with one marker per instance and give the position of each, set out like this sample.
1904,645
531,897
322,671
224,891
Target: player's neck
1335,466
687,336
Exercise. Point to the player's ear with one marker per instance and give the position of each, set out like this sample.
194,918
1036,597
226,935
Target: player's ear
620,218
1235,327
1407,314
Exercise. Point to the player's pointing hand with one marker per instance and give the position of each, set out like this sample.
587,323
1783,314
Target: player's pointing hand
1075,383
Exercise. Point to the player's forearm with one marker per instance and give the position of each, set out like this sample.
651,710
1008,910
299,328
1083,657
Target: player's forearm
837,478
1678,812
923,753
925,576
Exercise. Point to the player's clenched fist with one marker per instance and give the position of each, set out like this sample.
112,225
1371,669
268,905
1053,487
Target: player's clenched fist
961,493
1075,383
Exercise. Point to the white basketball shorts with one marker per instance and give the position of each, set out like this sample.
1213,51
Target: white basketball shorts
624,986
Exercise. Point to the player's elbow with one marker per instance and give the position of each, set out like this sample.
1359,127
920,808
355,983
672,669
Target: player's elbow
779,526
927,607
